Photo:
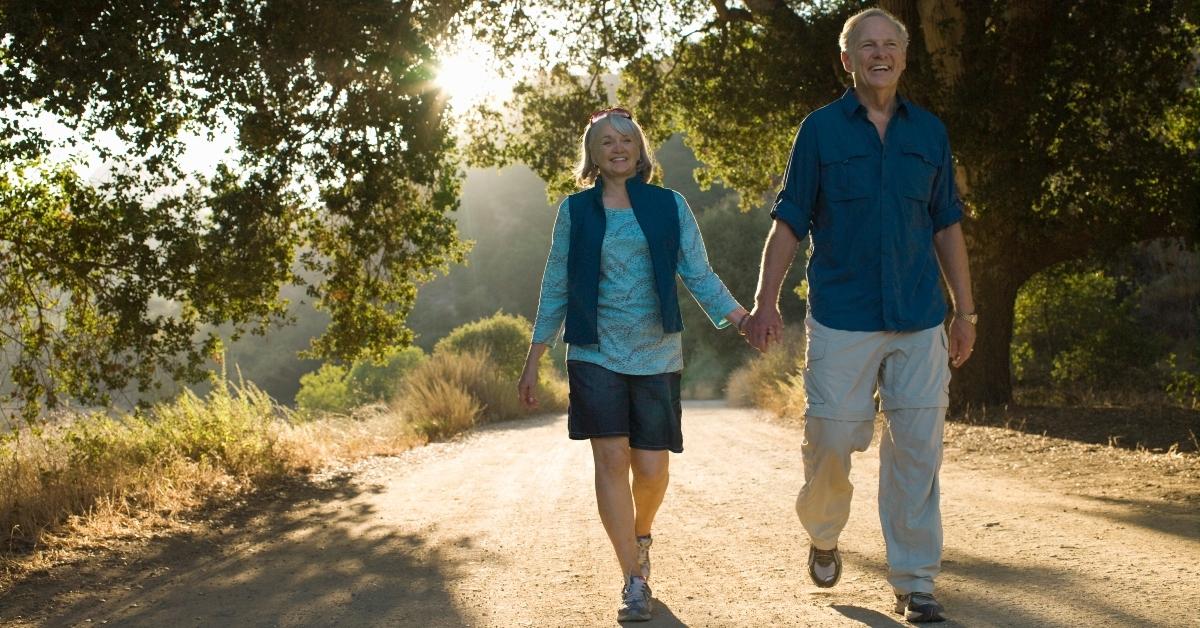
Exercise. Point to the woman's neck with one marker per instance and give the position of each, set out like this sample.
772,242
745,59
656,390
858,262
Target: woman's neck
615,194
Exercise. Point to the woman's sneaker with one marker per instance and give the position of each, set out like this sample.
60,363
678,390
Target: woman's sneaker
643,543
919,607
636,603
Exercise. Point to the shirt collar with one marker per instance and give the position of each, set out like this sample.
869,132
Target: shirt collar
850,104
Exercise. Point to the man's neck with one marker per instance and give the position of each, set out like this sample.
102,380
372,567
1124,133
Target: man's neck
877,101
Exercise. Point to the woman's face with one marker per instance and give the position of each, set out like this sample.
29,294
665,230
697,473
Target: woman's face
616,154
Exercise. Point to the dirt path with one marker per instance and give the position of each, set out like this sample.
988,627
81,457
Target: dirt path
499,529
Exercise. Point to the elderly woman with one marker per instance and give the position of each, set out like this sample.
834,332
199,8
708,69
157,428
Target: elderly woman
617,247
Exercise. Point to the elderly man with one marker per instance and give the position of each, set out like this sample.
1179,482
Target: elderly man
871,180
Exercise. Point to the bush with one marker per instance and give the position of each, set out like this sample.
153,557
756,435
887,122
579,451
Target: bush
380,381
167,459
1074,326
771,380
325,390
504,337
333,388
437,400
450,392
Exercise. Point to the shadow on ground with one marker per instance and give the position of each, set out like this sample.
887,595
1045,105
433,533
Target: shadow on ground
1153,427
1019,595
297,561
1181,520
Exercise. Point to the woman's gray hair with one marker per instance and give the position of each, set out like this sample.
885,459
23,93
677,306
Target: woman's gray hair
587,170
851,26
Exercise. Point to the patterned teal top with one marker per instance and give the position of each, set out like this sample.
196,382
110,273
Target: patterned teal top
629,321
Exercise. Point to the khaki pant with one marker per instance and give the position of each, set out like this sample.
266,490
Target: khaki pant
911,374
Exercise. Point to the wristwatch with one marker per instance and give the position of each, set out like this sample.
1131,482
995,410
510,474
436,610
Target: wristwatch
971,318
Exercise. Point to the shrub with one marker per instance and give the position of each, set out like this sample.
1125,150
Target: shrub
380,381
771,380
1074,326
440,409
166,459
334,388
433,396
504,337
325,390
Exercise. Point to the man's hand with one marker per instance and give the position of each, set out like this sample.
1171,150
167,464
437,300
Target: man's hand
764,328
962,341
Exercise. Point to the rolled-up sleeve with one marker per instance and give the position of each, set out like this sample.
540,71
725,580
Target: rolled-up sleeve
698,276
801,180
552,302
945,207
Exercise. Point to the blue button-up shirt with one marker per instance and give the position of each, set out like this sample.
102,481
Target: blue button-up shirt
872,208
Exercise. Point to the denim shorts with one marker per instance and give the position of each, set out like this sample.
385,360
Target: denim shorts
646,408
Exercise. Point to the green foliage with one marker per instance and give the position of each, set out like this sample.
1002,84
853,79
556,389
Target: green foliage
153,460
734,243
1074,327
1183,379
343,169
1074,123
1183,386
328,389
334,388
378,380
503,337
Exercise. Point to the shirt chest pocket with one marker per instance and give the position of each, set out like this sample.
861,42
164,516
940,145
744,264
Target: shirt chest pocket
917,171
847,175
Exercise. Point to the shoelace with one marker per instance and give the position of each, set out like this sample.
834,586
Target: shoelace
921,599
636,593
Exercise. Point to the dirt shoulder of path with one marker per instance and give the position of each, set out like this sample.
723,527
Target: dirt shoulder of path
1166,481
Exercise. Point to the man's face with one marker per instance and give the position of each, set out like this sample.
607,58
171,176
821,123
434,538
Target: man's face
876,57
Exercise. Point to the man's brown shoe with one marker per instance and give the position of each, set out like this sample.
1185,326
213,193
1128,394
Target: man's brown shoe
824,566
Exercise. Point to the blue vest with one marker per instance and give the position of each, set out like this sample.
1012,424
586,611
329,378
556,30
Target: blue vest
657,215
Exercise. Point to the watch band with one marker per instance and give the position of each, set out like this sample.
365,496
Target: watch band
971,318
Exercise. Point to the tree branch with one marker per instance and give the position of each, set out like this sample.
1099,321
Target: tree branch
725,14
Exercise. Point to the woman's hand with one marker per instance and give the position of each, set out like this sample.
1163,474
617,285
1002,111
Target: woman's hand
527,385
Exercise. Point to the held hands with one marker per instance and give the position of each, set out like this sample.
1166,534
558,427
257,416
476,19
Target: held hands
763,328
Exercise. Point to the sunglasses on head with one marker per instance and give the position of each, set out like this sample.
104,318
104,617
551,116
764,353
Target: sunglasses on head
614,111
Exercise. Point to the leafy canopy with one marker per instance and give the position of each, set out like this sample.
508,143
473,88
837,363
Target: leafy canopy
1075,124
343,170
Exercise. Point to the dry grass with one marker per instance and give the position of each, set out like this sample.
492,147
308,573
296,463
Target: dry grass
771,380
93,477
451,392
373,430
438,409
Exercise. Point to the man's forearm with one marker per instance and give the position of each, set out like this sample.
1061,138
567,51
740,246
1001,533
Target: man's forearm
951,249
777,257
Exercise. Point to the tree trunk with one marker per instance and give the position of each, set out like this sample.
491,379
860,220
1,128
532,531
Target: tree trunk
986,379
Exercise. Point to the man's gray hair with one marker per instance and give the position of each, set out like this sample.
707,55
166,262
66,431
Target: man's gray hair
586,171
849,30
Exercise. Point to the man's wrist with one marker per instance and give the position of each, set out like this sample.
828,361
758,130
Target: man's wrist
971,317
